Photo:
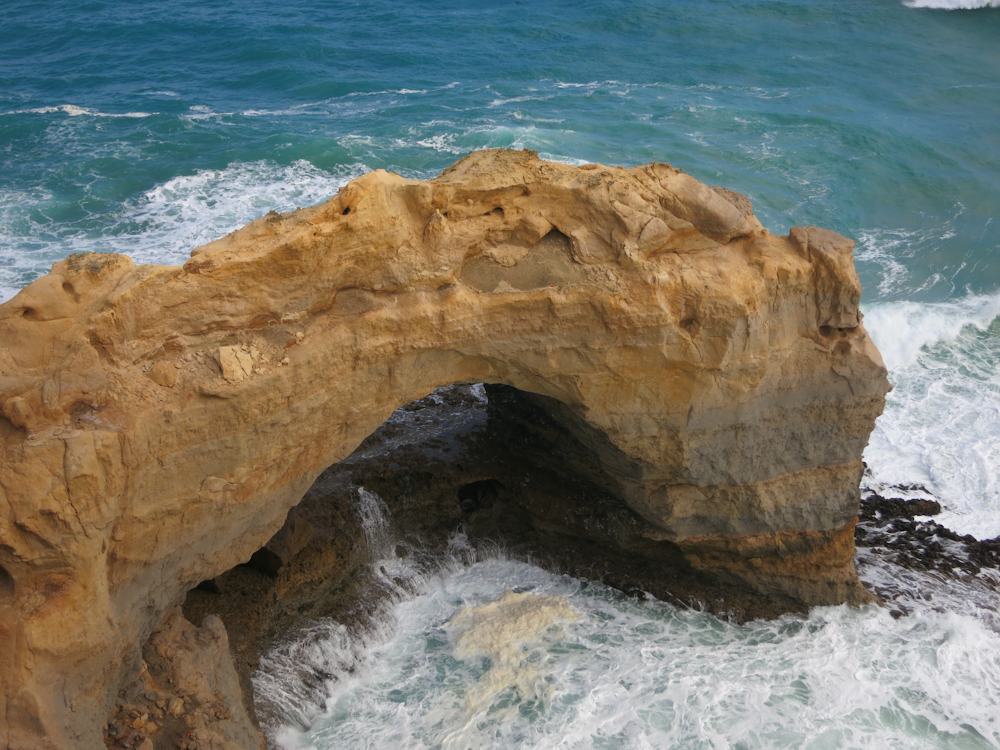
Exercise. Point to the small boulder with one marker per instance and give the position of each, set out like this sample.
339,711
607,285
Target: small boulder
163,373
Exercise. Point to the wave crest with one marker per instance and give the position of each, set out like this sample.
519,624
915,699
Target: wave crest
952,4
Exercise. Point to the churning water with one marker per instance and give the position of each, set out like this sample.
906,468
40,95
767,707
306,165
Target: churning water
151,128
565,663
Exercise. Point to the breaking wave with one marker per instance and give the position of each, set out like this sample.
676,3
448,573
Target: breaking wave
585,667
953,4
941,425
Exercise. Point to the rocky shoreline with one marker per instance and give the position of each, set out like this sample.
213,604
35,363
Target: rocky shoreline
901,532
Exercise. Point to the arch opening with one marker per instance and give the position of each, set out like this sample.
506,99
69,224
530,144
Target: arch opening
460,474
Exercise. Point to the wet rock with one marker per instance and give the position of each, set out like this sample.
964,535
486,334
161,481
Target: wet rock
293,536
891,526
479,495
876,506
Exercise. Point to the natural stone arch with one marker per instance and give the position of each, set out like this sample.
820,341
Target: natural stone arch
159,422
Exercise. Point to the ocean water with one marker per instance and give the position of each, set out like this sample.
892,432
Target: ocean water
149,129
490,652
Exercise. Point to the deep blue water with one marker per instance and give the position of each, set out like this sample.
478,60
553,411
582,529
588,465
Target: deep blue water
151,128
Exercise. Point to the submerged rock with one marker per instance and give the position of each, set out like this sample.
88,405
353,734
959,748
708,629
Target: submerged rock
714,381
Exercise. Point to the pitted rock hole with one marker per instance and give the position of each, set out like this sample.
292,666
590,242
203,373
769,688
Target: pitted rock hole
506,267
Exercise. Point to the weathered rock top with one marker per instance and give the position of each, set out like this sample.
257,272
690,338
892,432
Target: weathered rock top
158,422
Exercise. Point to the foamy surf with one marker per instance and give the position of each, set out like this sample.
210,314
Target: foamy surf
645,674
953,4
499,631
941,425
74,111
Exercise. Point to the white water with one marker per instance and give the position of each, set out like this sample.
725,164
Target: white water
374,515
74,111
498,631
941,425
620,673
953,4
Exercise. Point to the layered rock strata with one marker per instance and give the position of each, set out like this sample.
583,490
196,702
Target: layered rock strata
159,422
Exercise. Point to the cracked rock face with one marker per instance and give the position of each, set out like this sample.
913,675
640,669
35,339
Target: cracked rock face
159,422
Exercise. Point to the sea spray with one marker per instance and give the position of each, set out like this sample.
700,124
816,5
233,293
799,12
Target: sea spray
160,225
953,4
904,331
299,675
374,515
302,674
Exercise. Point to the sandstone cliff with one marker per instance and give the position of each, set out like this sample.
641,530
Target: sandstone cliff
159,422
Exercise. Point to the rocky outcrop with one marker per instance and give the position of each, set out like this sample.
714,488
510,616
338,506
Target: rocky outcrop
186,695
159,422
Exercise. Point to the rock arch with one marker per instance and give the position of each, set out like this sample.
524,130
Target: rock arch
159,422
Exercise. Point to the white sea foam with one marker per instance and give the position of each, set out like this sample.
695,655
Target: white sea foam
882,248
345,104
74,111
953,4
202,112
941,425
374,515
629,674
520,116
591,85
552,144
500,102
164,224
903,330
912,590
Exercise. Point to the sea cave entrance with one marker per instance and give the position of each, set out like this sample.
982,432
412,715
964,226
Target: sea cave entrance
467,471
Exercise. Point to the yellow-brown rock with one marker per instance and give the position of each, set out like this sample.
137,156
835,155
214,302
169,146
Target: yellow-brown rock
159,422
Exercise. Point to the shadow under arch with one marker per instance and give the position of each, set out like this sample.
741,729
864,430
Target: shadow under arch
539,493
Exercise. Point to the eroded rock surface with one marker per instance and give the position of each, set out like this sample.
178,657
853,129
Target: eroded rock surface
186,695
159,422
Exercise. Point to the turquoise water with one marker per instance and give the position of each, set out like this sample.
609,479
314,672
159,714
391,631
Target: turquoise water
152,128
185,119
